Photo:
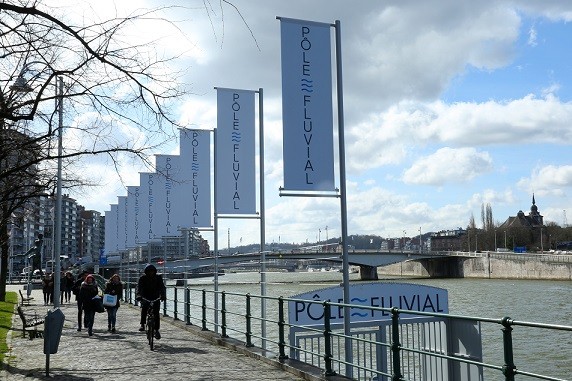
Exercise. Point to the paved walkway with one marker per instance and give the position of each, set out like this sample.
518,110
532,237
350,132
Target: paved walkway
183,353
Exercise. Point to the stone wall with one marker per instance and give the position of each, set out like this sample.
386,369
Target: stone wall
481,267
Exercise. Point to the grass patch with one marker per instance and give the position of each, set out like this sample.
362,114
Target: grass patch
6,312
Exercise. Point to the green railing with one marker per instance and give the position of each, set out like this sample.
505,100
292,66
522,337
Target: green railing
407,356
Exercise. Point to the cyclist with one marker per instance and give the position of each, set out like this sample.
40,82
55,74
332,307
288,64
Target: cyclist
150,286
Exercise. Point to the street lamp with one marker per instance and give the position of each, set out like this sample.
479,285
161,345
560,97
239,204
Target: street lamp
21,85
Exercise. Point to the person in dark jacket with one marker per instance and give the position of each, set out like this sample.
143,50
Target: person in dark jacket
87,292
75,290
113,287
67,283
150,286
48,288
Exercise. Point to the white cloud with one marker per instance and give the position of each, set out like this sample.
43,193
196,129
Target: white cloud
549,180
387,138
448,165
532,36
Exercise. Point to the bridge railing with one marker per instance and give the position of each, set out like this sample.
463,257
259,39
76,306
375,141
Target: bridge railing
395,351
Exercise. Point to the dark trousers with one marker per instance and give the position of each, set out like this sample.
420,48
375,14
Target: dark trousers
112,316
79,313
156,310
88,319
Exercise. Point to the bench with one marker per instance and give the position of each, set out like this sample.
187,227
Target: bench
25,299
30,320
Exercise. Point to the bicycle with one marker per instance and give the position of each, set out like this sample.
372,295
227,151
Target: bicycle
150,320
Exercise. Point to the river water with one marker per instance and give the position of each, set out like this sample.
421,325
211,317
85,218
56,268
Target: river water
536,351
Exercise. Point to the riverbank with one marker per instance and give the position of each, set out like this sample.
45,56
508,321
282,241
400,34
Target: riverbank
491,266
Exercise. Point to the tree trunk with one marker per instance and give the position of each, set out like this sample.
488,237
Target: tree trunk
5,250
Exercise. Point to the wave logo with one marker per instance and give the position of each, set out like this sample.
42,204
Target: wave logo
195,166
235,137
307,85
353,300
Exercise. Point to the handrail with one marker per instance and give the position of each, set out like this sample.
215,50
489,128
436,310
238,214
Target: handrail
233,313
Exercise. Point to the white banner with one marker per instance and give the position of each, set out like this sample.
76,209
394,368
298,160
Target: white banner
132,216
146,204
163,219
121,222
111,230
235,153
195,159
307,112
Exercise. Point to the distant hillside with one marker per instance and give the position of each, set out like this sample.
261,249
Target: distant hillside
356,241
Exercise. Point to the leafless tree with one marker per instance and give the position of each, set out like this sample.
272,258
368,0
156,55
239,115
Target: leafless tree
119,98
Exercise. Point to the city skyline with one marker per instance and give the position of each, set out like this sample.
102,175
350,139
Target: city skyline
448,106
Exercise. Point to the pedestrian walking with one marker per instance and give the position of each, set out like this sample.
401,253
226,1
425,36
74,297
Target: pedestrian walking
87,292
67,285
113,287
48,288
75,290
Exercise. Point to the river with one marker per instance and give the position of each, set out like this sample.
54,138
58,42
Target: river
537,301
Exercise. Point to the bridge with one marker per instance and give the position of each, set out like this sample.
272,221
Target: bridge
367,260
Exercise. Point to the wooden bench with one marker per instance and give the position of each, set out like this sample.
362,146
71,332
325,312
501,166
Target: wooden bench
25,299
30,320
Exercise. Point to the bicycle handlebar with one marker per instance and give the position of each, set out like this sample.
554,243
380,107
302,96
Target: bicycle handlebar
150,301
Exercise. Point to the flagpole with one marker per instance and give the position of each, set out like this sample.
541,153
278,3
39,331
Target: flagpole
262,213
343,200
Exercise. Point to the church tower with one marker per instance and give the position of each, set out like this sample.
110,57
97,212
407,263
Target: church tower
534,215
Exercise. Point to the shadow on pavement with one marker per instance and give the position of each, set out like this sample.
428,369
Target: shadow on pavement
41,374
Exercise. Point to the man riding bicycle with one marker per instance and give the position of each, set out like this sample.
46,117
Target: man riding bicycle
150,286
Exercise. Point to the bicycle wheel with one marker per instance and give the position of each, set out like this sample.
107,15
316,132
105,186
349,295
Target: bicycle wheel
150,329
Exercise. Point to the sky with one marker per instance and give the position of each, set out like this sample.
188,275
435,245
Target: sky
448,105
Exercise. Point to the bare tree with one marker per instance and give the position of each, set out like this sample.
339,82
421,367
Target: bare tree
110,87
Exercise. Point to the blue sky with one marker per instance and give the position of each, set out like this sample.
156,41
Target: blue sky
448,104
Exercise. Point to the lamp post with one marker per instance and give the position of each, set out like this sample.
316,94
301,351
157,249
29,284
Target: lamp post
21,85
58,218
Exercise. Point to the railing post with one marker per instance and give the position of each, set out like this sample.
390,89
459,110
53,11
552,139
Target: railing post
165,305
223,314
132,291
395,345
248,322
508,368
328,341
187,305
204,307
281,325
175,308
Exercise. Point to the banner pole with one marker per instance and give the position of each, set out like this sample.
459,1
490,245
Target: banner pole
262,220
343,199
215,238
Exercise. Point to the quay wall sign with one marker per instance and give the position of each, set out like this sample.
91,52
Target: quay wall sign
405,296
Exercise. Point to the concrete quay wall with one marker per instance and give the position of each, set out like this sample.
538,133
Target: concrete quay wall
482,267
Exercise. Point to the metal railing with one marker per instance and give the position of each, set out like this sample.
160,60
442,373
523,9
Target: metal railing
411,346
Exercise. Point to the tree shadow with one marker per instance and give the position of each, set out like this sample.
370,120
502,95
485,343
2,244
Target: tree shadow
40,374
169,349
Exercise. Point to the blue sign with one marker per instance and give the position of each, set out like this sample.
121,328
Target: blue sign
102,257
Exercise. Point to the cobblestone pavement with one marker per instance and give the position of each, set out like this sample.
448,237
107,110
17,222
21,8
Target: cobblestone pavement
125,355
